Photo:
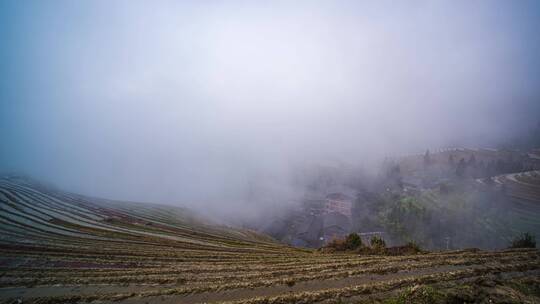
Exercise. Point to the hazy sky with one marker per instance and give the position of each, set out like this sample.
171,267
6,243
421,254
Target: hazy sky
190,102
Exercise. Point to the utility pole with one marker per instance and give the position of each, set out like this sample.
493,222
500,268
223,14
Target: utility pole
447,242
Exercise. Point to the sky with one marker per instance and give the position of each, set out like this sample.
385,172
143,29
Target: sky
193,102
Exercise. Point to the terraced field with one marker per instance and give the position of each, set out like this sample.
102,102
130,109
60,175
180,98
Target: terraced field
523,192
524,185
57,247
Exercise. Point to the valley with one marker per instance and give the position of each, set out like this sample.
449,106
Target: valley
58,247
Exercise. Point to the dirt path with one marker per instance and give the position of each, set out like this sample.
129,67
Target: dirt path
242,294
226,295
55,291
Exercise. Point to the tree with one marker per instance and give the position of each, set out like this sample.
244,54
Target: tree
353,241
377,242
451,161
427,159
394,176
405,219
472,160
525,240
460,169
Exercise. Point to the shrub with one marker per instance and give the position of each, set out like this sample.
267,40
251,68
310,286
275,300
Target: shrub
418,295
377,242
413,246
525,240
290,282
408,249
353,241
337,244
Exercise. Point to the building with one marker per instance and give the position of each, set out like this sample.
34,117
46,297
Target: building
324,220
335,225
338,202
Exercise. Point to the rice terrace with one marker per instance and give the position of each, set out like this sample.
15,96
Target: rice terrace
60,247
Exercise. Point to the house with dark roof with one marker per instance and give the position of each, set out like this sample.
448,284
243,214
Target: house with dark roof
335,225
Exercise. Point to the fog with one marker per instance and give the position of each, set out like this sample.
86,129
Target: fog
217,105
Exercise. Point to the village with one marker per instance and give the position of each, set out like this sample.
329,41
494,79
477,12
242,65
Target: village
336,210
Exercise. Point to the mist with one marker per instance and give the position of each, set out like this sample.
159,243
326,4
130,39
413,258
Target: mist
217,105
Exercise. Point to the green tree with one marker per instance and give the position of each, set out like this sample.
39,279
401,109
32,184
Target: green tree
377,242
427,159
525,240
353,241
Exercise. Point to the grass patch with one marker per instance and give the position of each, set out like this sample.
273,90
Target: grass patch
418,295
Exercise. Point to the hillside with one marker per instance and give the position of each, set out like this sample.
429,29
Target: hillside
33,214
522,194
58,247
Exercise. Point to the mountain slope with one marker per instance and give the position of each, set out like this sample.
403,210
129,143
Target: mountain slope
32,215
58,247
